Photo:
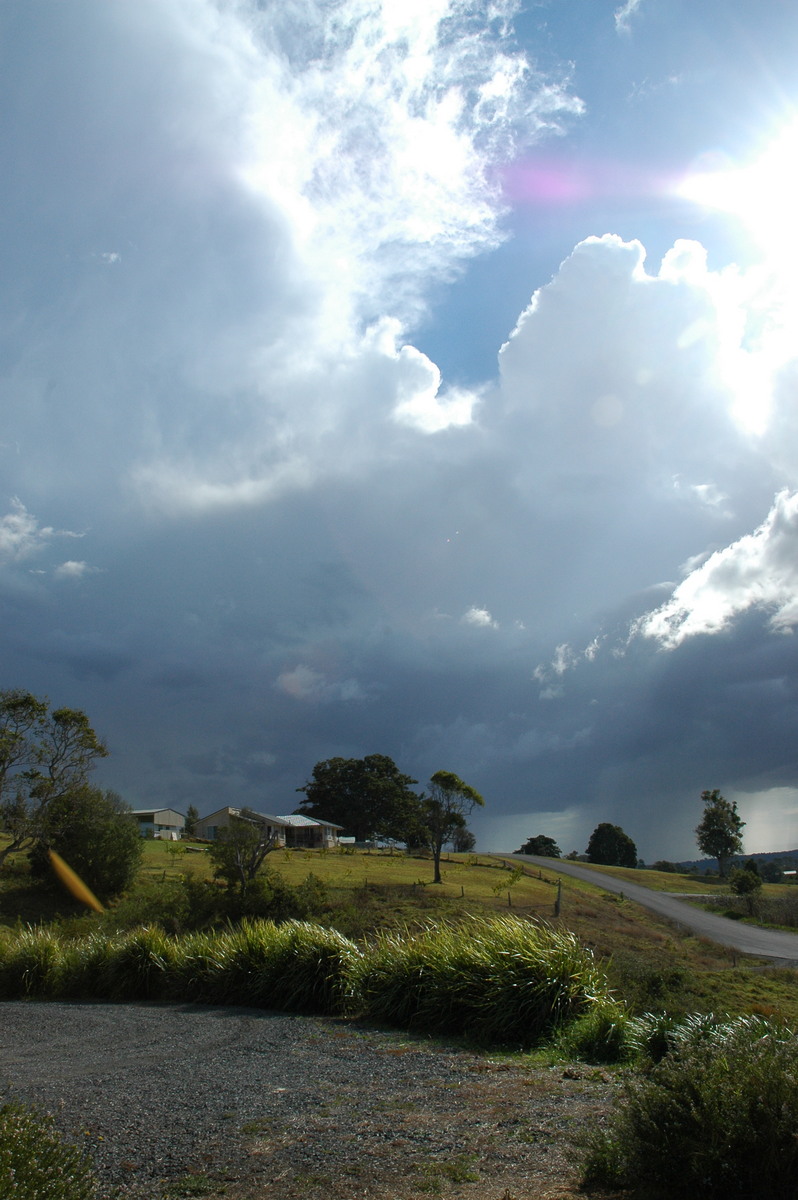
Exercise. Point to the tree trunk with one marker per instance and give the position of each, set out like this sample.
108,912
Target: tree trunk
18,843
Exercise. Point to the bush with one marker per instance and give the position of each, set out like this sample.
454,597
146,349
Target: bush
714,1117
600,1036
36,1163
95,834
496,981
187,904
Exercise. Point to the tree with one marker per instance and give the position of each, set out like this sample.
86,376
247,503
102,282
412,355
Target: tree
771,872
192,816
462,841
611,847
443,813
44,756
542,846
746,883
95,834
369,797
239,849
719,832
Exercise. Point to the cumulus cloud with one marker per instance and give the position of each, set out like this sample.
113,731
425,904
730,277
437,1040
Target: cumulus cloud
290,181
72,569
479,617
21,535
758,571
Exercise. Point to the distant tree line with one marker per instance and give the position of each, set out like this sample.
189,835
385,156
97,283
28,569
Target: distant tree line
608,846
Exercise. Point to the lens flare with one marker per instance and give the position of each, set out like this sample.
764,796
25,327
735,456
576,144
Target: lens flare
73,883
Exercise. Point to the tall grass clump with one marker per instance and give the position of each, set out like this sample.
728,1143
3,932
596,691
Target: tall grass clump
296,966
716,1116
134,966
501,981
36,1163
31,964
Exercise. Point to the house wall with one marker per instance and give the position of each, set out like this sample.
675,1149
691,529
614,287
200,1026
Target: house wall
208,827
314,837
162,822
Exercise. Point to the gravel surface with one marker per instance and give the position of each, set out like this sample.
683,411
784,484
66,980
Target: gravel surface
177,1100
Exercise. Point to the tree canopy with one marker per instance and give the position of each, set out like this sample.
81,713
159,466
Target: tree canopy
44,756
95,834
462,841
542,846
719,833
443,813
611,847
369,797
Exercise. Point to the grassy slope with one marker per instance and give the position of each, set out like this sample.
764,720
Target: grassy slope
651,964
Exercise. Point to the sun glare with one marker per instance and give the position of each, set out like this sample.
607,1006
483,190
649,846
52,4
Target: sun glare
762,194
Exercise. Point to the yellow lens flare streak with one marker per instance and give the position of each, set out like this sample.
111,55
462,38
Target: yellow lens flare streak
73,883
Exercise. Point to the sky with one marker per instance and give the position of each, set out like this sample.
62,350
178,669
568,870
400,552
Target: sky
408,377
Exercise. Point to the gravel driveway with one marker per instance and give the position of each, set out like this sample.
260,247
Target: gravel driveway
178,1100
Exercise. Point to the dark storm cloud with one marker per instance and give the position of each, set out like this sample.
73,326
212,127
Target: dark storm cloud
253,529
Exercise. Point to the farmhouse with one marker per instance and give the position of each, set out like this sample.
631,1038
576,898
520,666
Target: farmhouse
310,834
208,827
160,822
293,831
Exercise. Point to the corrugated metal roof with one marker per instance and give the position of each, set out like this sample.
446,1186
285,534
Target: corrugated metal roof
236,812
300,821
156,812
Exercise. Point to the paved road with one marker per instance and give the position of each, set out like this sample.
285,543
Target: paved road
748,939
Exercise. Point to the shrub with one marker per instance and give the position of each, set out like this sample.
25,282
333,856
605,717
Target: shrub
31,964
188,904
600,1036
714,1117
96,835
36,1163
496,981
167,903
